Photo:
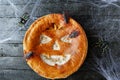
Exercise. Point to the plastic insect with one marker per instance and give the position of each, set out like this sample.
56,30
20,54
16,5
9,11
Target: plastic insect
28,55
102,45
23,19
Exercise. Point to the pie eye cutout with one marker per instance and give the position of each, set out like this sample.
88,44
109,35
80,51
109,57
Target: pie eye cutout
44,39
66,39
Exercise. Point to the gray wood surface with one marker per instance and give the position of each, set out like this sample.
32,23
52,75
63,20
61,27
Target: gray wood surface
90,13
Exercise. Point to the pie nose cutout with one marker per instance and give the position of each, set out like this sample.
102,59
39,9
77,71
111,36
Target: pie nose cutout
56,46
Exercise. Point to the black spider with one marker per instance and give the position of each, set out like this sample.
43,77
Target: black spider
23,19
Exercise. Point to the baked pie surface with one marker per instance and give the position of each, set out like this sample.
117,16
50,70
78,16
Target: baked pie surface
58,48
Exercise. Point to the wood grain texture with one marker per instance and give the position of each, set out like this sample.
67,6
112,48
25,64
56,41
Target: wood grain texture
30,75
81,8
2,2
9,11
19,75
11,50
13,63
89,13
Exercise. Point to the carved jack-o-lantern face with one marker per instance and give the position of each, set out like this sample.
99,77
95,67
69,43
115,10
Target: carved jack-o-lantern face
54,48
58,58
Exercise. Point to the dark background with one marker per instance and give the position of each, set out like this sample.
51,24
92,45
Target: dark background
99,18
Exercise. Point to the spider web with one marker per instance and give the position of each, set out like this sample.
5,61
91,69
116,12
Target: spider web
108,64
12,32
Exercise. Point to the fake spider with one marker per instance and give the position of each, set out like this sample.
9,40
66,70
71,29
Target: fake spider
23,19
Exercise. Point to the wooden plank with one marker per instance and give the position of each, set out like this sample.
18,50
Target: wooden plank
87,21
72,8
9,11
5,2
31,75
19,75
76,8
11,24
53,1
8,24
18,2
11,50
12,36
13,63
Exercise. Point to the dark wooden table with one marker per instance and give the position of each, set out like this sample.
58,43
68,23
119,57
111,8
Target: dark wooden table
98,17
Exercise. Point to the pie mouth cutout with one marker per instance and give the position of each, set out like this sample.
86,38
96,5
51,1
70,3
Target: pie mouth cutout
53,60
